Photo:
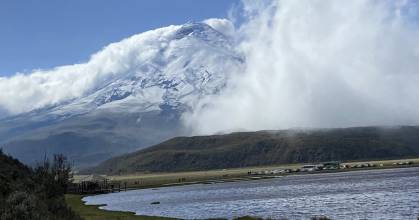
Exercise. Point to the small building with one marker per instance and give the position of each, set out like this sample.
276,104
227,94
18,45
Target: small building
92,184
94,178
309,168
331,165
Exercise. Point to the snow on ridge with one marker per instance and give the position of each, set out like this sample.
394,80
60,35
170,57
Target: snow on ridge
172,66
172,59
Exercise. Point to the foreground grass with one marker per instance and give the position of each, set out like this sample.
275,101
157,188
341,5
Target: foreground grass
92,212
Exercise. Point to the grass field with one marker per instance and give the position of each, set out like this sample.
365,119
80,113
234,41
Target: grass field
237,174
92,212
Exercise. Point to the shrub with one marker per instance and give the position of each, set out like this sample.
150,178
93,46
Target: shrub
21,205
34,193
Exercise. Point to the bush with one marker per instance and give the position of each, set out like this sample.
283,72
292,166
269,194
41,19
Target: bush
21,205
34,194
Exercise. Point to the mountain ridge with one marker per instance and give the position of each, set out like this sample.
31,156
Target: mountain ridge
242,149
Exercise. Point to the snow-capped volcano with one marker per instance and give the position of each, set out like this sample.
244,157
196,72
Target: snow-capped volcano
172,66
134,90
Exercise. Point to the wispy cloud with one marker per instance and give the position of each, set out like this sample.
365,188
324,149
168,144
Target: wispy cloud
24,92
224,26
320,63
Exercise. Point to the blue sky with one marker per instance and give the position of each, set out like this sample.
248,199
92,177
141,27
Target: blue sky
47,33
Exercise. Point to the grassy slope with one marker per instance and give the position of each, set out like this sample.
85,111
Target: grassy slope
266,148
92,212
13,176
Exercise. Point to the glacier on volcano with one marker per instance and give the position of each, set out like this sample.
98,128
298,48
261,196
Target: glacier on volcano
127,96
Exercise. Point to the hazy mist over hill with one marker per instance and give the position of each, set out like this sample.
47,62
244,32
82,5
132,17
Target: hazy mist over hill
320,64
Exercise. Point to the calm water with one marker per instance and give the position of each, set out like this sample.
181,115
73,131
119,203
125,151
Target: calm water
378,194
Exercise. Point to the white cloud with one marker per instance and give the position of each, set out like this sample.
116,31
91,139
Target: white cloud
221,25
320,63
25,92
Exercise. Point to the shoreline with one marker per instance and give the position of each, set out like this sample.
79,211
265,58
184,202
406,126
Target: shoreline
157,180
256,178
94,212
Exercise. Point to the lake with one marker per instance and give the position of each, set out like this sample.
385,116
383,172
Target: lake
372,194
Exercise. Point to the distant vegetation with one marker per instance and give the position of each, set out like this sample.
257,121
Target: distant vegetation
267,148
38,193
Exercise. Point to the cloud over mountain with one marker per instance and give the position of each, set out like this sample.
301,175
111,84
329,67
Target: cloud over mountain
320,64
25,92
224,26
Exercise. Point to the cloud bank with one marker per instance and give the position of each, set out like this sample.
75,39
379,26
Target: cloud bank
320,63
25,92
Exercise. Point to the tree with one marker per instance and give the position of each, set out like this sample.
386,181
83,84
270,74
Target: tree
61,170
55,177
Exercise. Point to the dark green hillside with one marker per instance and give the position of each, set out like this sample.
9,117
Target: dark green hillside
267,148
13,176
36,194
